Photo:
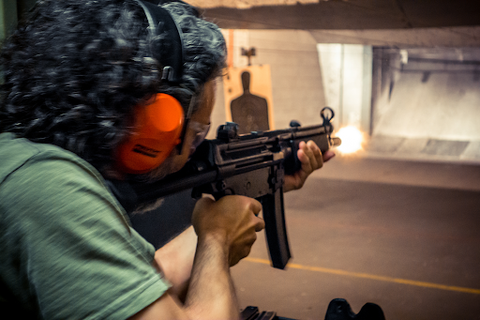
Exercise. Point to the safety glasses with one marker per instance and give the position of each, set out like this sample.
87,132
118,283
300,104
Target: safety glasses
201,131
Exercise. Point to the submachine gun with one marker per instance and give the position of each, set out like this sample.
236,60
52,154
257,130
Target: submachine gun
253,165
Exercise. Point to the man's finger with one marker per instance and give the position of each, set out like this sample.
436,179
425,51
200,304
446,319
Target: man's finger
329,154
309,162
317,153
255,206
260,225
316,159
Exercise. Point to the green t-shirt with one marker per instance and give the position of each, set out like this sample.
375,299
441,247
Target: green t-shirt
67,250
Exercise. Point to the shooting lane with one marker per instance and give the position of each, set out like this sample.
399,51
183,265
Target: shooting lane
397,222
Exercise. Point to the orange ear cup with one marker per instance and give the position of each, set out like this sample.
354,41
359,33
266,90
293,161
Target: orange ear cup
158,127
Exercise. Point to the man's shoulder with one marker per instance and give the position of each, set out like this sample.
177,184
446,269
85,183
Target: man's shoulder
14,153
19,153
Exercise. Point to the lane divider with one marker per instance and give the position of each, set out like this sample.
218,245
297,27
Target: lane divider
371,277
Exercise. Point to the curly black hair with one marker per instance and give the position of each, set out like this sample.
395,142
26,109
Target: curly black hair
75,69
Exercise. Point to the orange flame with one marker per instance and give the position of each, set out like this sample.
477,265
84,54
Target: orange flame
352,139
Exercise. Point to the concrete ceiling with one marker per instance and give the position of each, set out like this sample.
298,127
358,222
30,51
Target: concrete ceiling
403,38
340,14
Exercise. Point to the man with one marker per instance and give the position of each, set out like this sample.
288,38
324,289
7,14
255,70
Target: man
76,75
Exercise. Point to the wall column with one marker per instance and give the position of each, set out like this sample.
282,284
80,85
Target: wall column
8,17
347,79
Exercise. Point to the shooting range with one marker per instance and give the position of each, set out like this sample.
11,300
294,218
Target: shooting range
395,222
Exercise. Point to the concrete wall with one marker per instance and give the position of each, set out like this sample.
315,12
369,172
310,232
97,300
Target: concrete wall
413,113
297,84
10,12
306,77
430,97
347,79
428,104
8,17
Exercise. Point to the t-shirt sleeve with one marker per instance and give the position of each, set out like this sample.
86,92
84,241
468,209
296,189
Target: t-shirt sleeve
81,258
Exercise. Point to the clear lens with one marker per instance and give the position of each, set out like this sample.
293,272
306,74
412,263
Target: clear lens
201,131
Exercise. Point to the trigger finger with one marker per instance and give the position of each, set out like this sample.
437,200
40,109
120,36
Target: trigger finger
260,225
255,206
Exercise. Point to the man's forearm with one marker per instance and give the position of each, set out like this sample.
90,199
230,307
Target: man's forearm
175,260
211,294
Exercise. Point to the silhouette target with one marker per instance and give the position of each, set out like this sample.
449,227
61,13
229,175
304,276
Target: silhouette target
249,111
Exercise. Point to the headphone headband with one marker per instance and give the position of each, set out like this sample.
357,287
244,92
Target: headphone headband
168,51
160,123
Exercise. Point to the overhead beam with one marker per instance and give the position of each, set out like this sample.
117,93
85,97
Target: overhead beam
341,14
403,38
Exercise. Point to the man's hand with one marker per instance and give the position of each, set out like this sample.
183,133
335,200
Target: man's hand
233,220
312,159
226,231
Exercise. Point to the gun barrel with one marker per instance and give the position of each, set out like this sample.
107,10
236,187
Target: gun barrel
335,141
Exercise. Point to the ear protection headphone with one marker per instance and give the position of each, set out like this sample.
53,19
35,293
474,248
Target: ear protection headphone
158,124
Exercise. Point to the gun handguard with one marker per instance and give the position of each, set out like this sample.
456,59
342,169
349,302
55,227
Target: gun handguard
253,165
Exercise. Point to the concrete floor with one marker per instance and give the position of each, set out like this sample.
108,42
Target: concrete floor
368,228
402,234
